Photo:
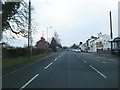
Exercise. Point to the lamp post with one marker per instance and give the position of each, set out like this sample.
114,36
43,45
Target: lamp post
47,33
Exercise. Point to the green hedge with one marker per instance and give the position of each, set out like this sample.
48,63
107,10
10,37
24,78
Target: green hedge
21,52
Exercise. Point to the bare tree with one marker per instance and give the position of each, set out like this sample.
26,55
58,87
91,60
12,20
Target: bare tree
15,17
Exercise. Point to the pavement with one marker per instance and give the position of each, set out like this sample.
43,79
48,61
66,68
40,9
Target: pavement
64,70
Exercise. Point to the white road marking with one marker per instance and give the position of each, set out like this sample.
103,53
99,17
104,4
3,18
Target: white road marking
29,82
78,57
98,60
84,61
103,62
55,59
48,65
98,72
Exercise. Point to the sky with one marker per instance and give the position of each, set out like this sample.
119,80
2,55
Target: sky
74,20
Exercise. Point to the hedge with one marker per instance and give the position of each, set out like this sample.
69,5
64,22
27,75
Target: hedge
21,52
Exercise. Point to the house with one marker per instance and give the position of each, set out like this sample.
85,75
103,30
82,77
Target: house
83,47
103,42
90,44
97,43
42,44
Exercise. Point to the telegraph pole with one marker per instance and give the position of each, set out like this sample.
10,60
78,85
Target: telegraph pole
29,30
111,33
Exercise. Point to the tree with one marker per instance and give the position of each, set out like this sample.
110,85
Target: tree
14,17
74,46
80,43
56,36
53,44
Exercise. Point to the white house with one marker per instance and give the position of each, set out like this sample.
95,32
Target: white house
95,43
83,47
102,42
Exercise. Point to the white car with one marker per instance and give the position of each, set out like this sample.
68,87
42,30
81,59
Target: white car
77,50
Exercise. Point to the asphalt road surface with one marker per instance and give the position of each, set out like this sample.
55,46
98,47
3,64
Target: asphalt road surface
65,70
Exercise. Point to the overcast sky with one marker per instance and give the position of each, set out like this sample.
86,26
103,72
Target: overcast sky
73,20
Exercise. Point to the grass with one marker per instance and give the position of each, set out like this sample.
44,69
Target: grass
14,61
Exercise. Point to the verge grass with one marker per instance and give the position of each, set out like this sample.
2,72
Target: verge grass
14,61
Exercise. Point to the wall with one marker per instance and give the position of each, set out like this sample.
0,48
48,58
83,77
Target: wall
104,51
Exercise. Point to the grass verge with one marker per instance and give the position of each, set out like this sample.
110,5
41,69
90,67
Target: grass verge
14,61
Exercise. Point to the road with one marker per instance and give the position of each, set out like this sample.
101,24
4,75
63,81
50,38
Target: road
65,70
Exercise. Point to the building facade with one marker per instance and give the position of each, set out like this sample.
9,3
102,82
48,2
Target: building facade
42,44
102,42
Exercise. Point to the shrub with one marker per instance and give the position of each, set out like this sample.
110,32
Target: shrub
21,52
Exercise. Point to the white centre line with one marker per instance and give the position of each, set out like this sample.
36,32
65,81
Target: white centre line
85,62
55,59
29,82
103,62
98,71
48,65
78,57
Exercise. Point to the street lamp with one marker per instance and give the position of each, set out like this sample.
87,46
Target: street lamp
47,33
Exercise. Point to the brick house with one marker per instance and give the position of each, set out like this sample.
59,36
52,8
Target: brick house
42,44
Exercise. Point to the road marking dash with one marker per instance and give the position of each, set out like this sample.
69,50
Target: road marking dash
29,82
55,59
85,62
98,72
103,62
78,57
48,65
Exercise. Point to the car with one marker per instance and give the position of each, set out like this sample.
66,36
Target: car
77,50
68,50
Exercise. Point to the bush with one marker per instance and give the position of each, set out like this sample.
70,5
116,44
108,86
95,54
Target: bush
21,52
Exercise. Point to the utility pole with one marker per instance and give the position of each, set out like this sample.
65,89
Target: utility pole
111,33
29,30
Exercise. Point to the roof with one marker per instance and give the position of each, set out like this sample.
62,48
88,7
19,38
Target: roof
42,41
116,39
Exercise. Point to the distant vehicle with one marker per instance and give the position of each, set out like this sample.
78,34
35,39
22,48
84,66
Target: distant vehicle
68,49
77,50
73,50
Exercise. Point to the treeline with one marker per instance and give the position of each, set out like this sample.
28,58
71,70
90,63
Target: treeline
22,52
